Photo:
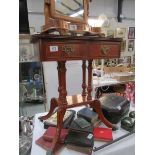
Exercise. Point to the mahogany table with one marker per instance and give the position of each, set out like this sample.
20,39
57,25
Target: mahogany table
85,48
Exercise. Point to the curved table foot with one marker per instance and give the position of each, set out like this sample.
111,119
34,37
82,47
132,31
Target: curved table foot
53,105
97,107
55,142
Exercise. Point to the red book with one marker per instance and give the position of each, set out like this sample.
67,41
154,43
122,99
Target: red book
47,145
104,134
51,132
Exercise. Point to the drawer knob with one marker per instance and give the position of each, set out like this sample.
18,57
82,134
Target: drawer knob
105,50
67,49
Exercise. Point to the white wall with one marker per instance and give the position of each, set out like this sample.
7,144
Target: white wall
107,7
36,16
129,8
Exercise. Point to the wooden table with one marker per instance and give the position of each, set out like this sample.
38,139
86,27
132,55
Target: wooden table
85,48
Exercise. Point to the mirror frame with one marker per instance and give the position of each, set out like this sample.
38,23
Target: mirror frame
67,18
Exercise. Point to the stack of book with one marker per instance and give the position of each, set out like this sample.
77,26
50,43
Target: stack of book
89,115
80,136
45,141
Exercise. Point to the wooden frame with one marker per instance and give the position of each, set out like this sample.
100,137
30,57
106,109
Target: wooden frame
131,33
67,18
120,32
131,44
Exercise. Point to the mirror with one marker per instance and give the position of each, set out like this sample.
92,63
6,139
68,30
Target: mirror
70,10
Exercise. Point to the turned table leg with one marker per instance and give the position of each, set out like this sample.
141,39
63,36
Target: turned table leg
89,88
62,103
84,86
53,105
62,82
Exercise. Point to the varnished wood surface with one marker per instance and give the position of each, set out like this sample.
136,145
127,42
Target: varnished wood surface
82,47
68,37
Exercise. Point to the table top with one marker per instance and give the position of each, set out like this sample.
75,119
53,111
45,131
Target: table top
68,37
107,81
125,146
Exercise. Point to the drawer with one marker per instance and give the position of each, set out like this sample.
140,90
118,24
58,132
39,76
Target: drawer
104,50
62,51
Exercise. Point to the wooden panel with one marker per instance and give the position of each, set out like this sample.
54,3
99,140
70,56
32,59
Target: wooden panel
67,49
104,50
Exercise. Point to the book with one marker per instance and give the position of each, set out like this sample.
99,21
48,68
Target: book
48,145
88,114
66,122
103,134
82,123
53,118
77,138
86,150
51,132
75,126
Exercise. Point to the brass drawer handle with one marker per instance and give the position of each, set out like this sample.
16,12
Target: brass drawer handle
105,50
67,49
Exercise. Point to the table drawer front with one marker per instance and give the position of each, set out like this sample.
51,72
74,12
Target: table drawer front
104,50
62,51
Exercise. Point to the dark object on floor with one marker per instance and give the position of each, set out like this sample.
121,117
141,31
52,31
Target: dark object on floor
114,107
116,140
128,123
132,114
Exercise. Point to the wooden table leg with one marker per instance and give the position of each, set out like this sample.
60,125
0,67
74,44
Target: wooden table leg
62,82
53,105
60,116
97,107
89,88
84,86
62,103
59,79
